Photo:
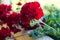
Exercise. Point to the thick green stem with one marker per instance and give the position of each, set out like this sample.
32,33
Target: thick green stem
46,24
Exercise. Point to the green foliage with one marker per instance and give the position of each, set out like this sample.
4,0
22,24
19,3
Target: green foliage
53,20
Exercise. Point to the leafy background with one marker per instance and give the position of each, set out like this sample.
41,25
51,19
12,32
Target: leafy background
53,20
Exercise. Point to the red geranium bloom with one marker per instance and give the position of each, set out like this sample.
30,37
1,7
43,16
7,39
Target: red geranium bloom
10,19
30,11
4,11
4,8
13,19
5,32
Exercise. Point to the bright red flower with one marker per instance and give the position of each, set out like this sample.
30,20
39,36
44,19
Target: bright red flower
30,11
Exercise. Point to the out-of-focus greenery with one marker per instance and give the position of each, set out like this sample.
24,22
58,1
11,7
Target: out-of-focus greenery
53,20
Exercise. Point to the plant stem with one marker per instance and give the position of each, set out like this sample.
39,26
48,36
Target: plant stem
46,24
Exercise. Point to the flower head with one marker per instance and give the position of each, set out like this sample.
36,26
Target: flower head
13,20
4,8
4,11
30,11
5,32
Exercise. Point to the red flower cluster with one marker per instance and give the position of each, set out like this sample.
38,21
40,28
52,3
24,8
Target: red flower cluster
30,11
13,19
10,18
4,8
5,32
4,11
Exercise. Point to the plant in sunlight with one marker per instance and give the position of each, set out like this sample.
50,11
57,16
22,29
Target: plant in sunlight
7,19
29,12
13,20
52,24
53,19
21,16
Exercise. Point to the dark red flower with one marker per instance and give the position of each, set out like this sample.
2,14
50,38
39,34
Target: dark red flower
10,18
13,19
30,11
4,8
4,18
5,32
14,29
4,12
28,27
1,37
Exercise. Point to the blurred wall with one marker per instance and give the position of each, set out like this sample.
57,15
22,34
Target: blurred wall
49,2
5,2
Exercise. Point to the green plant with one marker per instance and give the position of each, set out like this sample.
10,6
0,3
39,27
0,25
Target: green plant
52,24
